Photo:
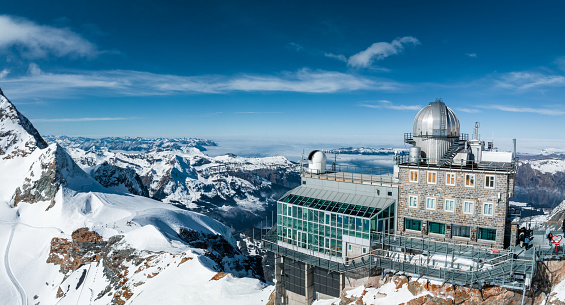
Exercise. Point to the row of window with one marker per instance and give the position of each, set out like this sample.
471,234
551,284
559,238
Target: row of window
456,230
451,178
449,205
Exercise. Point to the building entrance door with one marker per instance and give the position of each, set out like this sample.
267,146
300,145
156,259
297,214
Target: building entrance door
302,239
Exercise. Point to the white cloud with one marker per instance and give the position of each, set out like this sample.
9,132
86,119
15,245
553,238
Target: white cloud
544,111
339,57
468,110
37,41
474,55
136,83
4,73
384,104
529,80
380,51
78,120
295,46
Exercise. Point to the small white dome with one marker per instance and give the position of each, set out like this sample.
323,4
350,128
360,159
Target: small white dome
317,156
317,162
436,120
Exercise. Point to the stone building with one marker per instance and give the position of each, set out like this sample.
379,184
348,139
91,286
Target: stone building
450,187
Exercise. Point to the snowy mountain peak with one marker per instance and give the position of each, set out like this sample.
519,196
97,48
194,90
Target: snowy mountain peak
18,137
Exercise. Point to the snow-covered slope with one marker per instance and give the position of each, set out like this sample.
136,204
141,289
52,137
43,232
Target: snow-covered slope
66,239
235,190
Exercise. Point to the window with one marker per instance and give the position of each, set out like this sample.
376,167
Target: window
489,181
430,203
364,250
461,231
413,224
468,207
413,201
488,208
449,205
432,177
450,179
413,175
470,180
436,227
487,234
349,247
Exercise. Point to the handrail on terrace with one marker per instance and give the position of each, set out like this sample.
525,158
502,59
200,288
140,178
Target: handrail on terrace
351,173
435,240
381,257
404,159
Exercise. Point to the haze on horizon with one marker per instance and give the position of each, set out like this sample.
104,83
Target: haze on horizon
285,73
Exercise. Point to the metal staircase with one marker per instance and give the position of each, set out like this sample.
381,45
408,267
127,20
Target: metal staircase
459,144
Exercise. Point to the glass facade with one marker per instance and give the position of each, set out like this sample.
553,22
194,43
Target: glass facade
315,226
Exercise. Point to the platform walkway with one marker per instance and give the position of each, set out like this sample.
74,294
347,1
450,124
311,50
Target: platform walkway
478,268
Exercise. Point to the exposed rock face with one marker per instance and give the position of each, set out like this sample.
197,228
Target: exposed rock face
549,274
227,258
539,187
18,137
112,176
53,168
126,268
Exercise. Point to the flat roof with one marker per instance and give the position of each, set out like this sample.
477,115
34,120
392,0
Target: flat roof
337,202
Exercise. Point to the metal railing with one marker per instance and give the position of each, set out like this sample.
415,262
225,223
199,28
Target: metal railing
504,269
351,173
428,163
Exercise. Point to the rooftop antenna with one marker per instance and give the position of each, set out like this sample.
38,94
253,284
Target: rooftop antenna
477,125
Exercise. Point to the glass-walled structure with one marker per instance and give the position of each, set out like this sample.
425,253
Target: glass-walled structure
328,226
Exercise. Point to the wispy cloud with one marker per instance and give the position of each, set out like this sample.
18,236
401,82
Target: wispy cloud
4,73
384,104
295,46
137,83
474,55
258,112
468,110
38,41
545,111
78,120
380,51
339,57
529,80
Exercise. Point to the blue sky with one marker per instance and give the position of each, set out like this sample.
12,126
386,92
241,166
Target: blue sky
319,72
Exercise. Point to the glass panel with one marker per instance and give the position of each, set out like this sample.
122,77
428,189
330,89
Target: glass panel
413,224
359,224
339,221
461,231
436,227
366,225
487,234
334,217
298,213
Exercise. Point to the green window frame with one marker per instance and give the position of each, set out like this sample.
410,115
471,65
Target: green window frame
487,234
436,227
412,224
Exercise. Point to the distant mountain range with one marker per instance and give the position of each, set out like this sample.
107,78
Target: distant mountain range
131,144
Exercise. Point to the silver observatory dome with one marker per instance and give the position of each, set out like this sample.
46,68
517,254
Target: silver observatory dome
436,120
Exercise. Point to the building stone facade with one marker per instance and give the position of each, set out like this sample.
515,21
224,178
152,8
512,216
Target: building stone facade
479,194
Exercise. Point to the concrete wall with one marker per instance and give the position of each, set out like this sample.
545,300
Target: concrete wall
479,194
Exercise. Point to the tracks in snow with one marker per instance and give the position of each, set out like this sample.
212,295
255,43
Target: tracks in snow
19,288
